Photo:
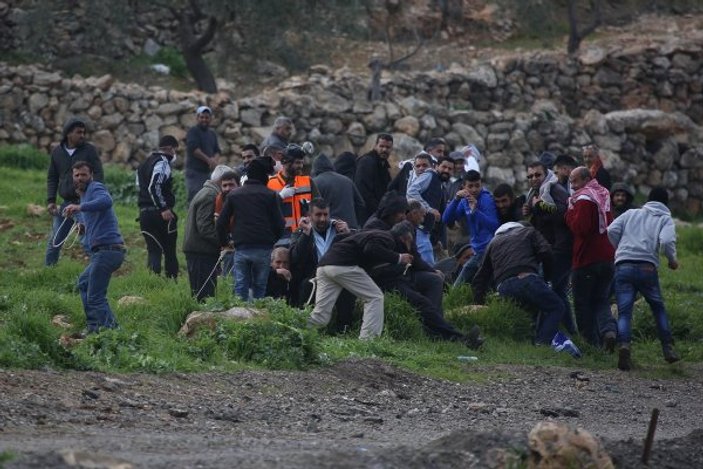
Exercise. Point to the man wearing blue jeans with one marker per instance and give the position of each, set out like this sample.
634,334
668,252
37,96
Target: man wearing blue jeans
512,262
638,235
59,181
106,246
254,212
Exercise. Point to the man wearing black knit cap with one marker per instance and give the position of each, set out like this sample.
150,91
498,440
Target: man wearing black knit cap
156,201
254,212
59,179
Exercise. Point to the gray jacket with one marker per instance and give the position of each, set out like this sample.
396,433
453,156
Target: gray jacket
639,234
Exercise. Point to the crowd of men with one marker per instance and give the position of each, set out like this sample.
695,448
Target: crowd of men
349,230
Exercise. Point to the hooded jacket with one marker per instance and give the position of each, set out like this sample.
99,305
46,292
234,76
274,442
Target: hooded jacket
200,235
639,234
59,178
340,192
345,164
482,221
629,197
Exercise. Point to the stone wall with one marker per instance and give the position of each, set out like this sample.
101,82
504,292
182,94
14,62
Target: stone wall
643,105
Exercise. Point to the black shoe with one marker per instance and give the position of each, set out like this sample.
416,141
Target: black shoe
669,355
609,341
473,339
624,361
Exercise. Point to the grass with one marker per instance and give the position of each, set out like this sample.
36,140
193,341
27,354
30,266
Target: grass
148,340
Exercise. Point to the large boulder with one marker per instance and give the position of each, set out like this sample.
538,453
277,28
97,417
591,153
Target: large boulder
652,123
209,319
555,445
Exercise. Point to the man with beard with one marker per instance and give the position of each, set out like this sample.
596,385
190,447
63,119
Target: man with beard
106,246
201,244
509,208
372,174
203,152
313,239
249,152
281,133
545,207
156,201
73,148
563,166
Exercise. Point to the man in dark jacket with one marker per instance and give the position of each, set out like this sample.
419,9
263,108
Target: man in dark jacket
621,198
72,148
373,175
257,223
344,199
203,152
156,200
345,164
511,262
344,266
509,208
201,244
545,207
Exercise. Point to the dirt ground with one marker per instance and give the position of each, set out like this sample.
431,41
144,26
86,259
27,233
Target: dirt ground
359,413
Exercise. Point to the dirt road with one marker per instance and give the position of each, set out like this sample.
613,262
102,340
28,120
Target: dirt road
355,414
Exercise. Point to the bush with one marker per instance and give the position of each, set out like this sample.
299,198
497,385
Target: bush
690,240
401,321
174,59
122,184
501,318
23,157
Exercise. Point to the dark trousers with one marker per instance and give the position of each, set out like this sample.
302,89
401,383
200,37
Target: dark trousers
202,274
423,290
591,286
160,237
560,284
533,293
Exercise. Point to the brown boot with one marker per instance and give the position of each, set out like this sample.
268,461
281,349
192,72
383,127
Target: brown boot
624,361
669,355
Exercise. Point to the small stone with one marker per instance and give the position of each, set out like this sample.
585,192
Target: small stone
178,413
89,393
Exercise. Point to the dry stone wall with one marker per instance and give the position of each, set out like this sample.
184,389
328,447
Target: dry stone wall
643,105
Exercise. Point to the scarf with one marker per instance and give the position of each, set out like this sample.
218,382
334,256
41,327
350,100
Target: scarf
544,190
323,244
597,194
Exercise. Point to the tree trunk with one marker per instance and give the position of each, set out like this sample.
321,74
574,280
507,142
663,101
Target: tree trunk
199,70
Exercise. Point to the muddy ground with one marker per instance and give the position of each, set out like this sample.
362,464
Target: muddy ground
361,413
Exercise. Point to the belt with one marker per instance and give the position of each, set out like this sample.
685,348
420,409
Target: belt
109,247
149,209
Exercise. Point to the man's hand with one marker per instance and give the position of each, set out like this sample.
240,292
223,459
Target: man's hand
52,209
286,192
305,225
71,209
285,273
526,210
341,226
441,274
167,215
406,258
81,229
461,194
213,161
435,213
472,202
673,265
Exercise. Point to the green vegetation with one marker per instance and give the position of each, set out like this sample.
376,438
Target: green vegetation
148,340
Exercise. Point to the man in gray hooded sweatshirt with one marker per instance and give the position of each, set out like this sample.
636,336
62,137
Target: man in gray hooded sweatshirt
638,235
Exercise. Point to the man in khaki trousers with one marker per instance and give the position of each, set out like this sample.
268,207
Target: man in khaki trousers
344,267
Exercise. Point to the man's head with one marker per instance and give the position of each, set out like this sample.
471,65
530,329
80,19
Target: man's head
659,194
259,170
275,152
563,166
536,172
228,182
74,133
204,115
463,253
472,183
82,175
249,152
404,232
392,207
280,258
579,177
436,147
320,214
504,197
416,213
384,145
445,168
619,198
459,160
293,160
590,153
283,127
168,145
422,162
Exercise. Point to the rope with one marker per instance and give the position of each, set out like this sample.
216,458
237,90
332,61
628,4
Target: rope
209,277
74,227
312,292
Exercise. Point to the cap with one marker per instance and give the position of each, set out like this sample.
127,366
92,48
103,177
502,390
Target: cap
202,109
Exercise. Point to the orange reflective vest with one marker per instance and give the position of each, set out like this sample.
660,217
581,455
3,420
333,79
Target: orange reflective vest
292,210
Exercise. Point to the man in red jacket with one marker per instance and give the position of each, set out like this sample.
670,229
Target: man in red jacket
588,216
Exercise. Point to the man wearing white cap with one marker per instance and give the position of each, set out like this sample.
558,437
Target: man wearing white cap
203,152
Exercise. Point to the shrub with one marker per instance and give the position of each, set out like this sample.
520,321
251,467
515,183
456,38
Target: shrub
501,318
122,184
401,321
174,59
23,157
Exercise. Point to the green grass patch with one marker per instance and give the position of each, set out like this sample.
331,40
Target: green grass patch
148,339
